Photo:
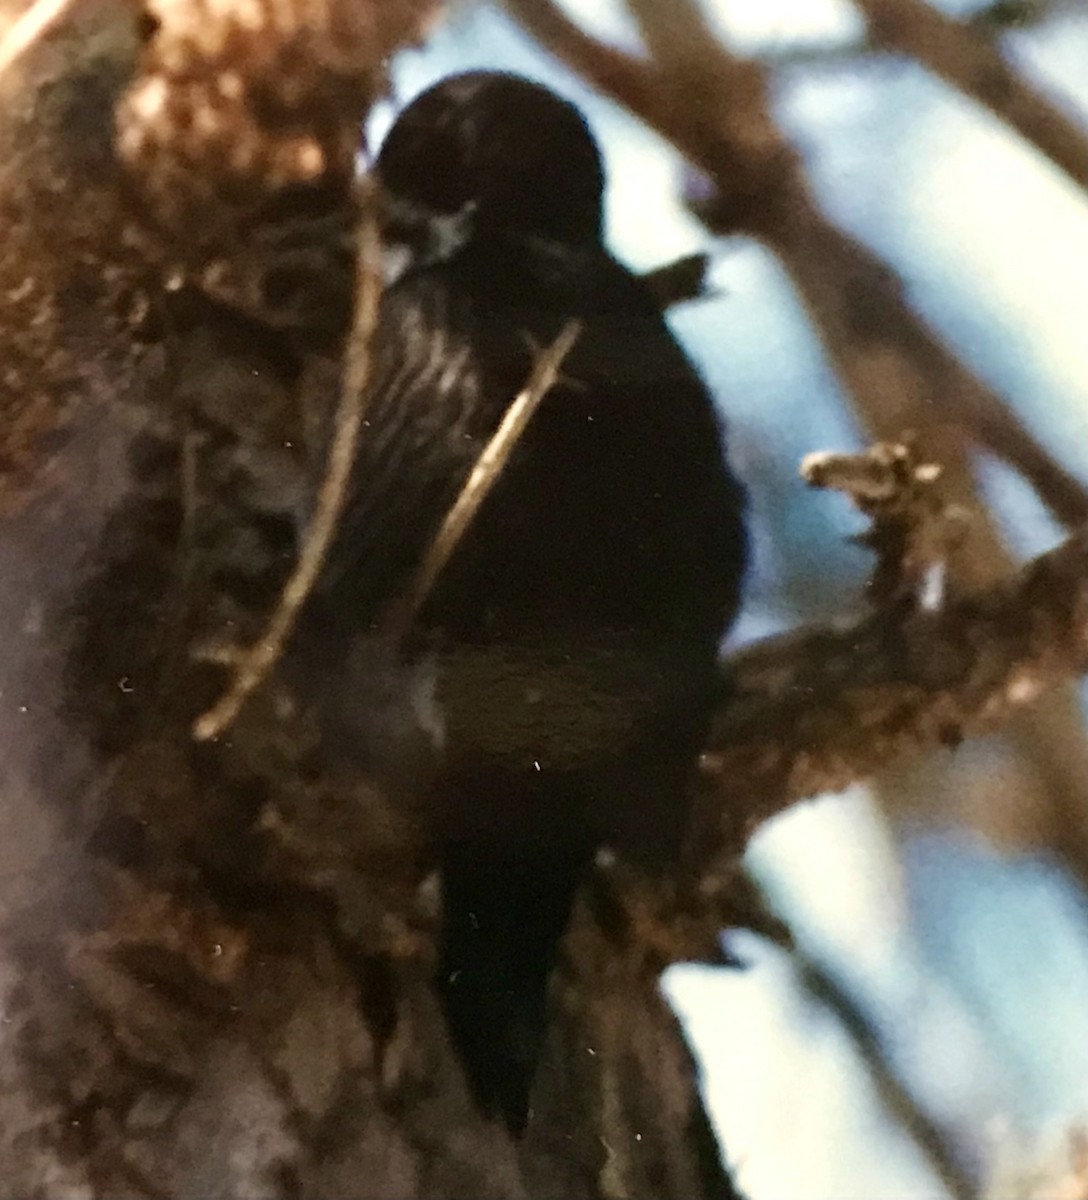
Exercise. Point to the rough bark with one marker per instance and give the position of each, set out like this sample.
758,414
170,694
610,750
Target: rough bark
820,709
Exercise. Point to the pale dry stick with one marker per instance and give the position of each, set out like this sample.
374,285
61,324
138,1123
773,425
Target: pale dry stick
483,477
30,27
254,663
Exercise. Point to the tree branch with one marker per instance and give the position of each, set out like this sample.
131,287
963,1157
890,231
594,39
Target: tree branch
818,709
28,28
974,65
253,664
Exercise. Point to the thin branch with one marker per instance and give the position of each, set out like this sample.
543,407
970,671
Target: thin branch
974,65
900,374
255,662
989,21
30,27
934,1143
483,477
631,81
913,531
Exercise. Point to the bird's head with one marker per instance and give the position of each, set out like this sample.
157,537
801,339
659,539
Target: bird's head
484,153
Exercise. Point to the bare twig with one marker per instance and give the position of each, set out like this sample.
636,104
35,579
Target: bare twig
481,480
30,27
895,367
926,1133
913,532
989,20
258,660
974,65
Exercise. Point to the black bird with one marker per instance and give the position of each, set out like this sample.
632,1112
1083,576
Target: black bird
575,630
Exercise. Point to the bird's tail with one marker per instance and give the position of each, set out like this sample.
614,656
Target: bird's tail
503,922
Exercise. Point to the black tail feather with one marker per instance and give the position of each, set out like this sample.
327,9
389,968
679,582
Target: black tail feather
503,923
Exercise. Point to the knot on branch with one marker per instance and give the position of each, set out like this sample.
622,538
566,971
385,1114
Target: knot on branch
752,198
913,530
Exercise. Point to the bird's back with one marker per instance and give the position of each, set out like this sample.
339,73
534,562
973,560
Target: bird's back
615,527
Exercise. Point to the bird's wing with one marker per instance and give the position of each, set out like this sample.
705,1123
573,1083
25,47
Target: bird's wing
416,445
